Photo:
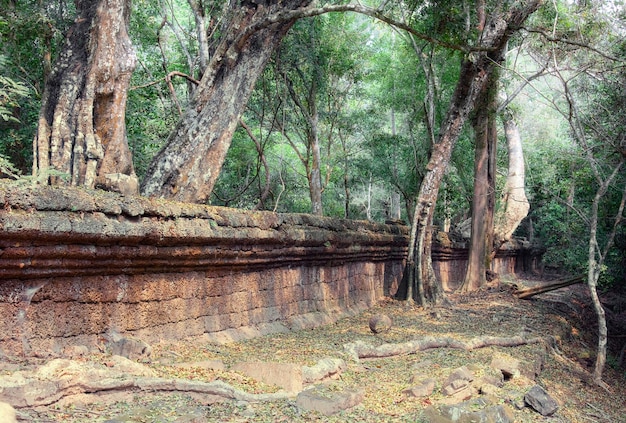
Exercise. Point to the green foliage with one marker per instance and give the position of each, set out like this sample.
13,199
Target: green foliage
10,92
7,169
30,36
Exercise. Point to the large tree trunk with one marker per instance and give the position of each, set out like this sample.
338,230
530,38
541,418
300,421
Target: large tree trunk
483,201
475,72
81,138
515,204
188,166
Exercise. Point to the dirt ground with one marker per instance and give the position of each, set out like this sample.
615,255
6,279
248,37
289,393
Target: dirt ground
565,315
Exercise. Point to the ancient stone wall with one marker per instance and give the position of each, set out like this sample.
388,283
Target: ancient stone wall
79,267
82,267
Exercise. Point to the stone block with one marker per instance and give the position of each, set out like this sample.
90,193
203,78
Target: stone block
380,323
287,376
421,389
328,403
540,401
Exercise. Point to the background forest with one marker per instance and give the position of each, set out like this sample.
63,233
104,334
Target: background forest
343,119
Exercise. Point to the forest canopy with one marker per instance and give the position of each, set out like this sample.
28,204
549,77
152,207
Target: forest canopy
360,102
504,116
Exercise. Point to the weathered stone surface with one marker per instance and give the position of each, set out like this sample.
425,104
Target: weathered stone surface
541,401
326,368
7,413
479,410
328,403
77,264
457,381
285,375
75,351
380,323
421,389
509,366
129,347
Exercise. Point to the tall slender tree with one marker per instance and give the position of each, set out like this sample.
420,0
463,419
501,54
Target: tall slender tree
475,73
483,201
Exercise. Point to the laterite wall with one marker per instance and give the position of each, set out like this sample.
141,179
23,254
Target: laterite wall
78,266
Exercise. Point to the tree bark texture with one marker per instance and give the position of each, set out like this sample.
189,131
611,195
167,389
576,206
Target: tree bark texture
483,201
187,167
475,72
515,204
82,130
197,8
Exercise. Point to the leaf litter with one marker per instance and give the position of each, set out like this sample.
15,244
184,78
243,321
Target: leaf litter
487,313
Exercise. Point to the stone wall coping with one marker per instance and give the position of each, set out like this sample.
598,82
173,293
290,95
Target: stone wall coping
66,231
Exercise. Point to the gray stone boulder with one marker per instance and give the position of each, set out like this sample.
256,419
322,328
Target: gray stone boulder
128,347
479,410
540,401
380,323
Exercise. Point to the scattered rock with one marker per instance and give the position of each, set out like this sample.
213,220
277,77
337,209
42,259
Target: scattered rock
285,375
7,413
509,366
326,368
540,401
479,410
326,402
129,347
422,389
457,381
380,323
533,369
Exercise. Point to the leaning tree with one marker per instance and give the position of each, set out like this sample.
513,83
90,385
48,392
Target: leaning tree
476,70
188,165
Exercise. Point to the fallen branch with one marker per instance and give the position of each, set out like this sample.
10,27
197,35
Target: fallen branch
361,349
530,292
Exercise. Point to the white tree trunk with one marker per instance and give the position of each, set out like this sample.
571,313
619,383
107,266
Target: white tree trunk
515,203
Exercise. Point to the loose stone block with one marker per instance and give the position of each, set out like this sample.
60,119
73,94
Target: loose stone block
285,375
541,401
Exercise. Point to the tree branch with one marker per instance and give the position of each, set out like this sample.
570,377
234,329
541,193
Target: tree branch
308,12
555,39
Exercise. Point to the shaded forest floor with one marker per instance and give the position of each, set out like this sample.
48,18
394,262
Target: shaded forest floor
566,315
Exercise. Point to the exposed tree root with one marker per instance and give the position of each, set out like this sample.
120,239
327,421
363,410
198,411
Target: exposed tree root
361,349
61,379
52,393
